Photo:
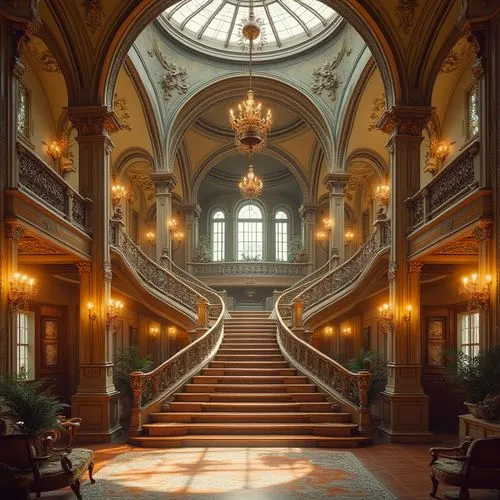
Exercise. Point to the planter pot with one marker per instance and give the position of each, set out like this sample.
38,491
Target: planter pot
473,410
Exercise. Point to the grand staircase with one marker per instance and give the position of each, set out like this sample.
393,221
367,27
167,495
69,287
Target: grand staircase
250,396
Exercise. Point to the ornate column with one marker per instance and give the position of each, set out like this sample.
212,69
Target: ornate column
307,213
335,182
192,213
96,400
405,412
165,183
16,20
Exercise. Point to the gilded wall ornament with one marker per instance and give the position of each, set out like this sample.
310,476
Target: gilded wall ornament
377,110
260,44
174,78
33,246
41,55
120,106
325,78
84,267
94,14
456,56
483,232
143,182
415,267
405,12
14,231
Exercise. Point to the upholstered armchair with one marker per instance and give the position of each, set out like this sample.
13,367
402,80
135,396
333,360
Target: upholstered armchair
473,464
21,471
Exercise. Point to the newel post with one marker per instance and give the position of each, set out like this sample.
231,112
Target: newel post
135,428
202,313
363,379
298,321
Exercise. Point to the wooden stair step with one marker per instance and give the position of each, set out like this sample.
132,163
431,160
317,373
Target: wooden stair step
214,372
241,417
317,429
249,407
250,397
249,364
301,441
250,379
248,357
243,388
225,351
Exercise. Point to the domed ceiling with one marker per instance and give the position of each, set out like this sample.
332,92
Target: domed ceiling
287,26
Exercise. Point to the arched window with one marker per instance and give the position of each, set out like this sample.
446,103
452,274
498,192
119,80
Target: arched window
218,235
281,235
250,233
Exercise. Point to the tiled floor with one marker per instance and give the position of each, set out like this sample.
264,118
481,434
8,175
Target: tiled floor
402,468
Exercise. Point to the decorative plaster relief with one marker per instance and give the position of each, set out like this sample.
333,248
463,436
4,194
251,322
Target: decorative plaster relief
174,78
377,110
405,13
143,182
262,41
94,14
325,78
457,55
120,106
42,56
33,246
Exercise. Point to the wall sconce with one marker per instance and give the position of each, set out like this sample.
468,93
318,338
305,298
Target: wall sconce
442,150
476,291
115,308
349,236
154,331
22,291
382,195
56,149
347,331
323,235
407,313
118,193
328,330
386,317
150,237
172,225
91,311
328,223
176,236
172,331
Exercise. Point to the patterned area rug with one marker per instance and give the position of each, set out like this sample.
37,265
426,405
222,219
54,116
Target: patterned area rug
236,473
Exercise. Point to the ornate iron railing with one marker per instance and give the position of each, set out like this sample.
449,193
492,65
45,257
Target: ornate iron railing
245,268
37,178
458,179
350,389
346,274
155,276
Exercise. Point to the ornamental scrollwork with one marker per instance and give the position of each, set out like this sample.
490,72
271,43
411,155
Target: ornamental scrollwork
483,232
14,231
325,78
174,78
94,14
392,270
415,267
405,12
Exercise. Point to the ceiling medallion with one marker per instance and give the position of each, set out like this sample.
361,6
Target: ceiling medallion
250,126
251,185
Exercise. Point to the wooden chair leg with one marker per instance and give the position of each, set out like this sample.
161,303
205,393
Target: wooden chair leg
435,484
91,470
76,489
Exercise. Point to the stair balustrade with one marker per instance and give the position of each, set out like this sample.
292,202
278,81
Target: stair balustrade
152,388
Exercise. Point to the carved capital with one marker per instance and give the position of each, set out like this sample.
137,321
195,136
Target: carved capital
192,210
84,267
405,120
163,181
415,267
336,181
483,232
392,271
108,271
93,120
14,231
308,209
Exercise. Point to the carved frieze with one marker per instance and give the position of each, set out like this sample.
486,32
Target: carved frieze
174,77
415,267
405,11
143,182
34,246
325,78
465,246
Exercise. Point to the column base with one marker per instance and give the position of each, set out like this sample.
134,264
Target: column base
405,418
100,417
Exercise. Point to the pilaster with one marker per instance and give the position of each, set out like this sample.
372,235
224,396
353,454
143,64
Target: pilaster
405,411
192,213
164,183
307,214
96,400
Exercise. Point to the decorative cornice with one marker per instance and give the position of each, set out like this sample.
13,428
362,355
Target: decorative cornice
336,181
93,120
405,120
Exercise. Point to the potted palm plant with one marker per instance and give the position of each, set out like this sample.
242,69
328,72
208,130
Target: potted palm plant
474,376
29,408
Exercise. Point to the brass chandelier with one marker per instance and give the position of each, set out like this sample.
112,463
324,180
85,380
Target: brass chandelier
251,185
250,126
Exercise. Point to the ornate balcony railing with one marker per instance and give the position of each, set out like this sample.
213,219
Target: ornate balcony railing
350,389
152,388
155,276
249,268
346,274
37,178
458,179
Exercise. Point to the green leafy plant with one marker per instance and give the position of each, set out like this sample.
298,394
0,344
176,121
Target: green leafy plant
489,407
296,252
203,251
30,408
474,377
370,361
128,361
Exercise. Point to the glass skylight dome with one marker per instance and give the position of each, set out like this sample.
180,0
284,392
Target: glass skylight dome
215,25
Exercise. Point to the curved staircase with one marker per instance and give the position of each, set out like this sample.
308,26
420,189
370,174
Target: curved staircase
249,396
